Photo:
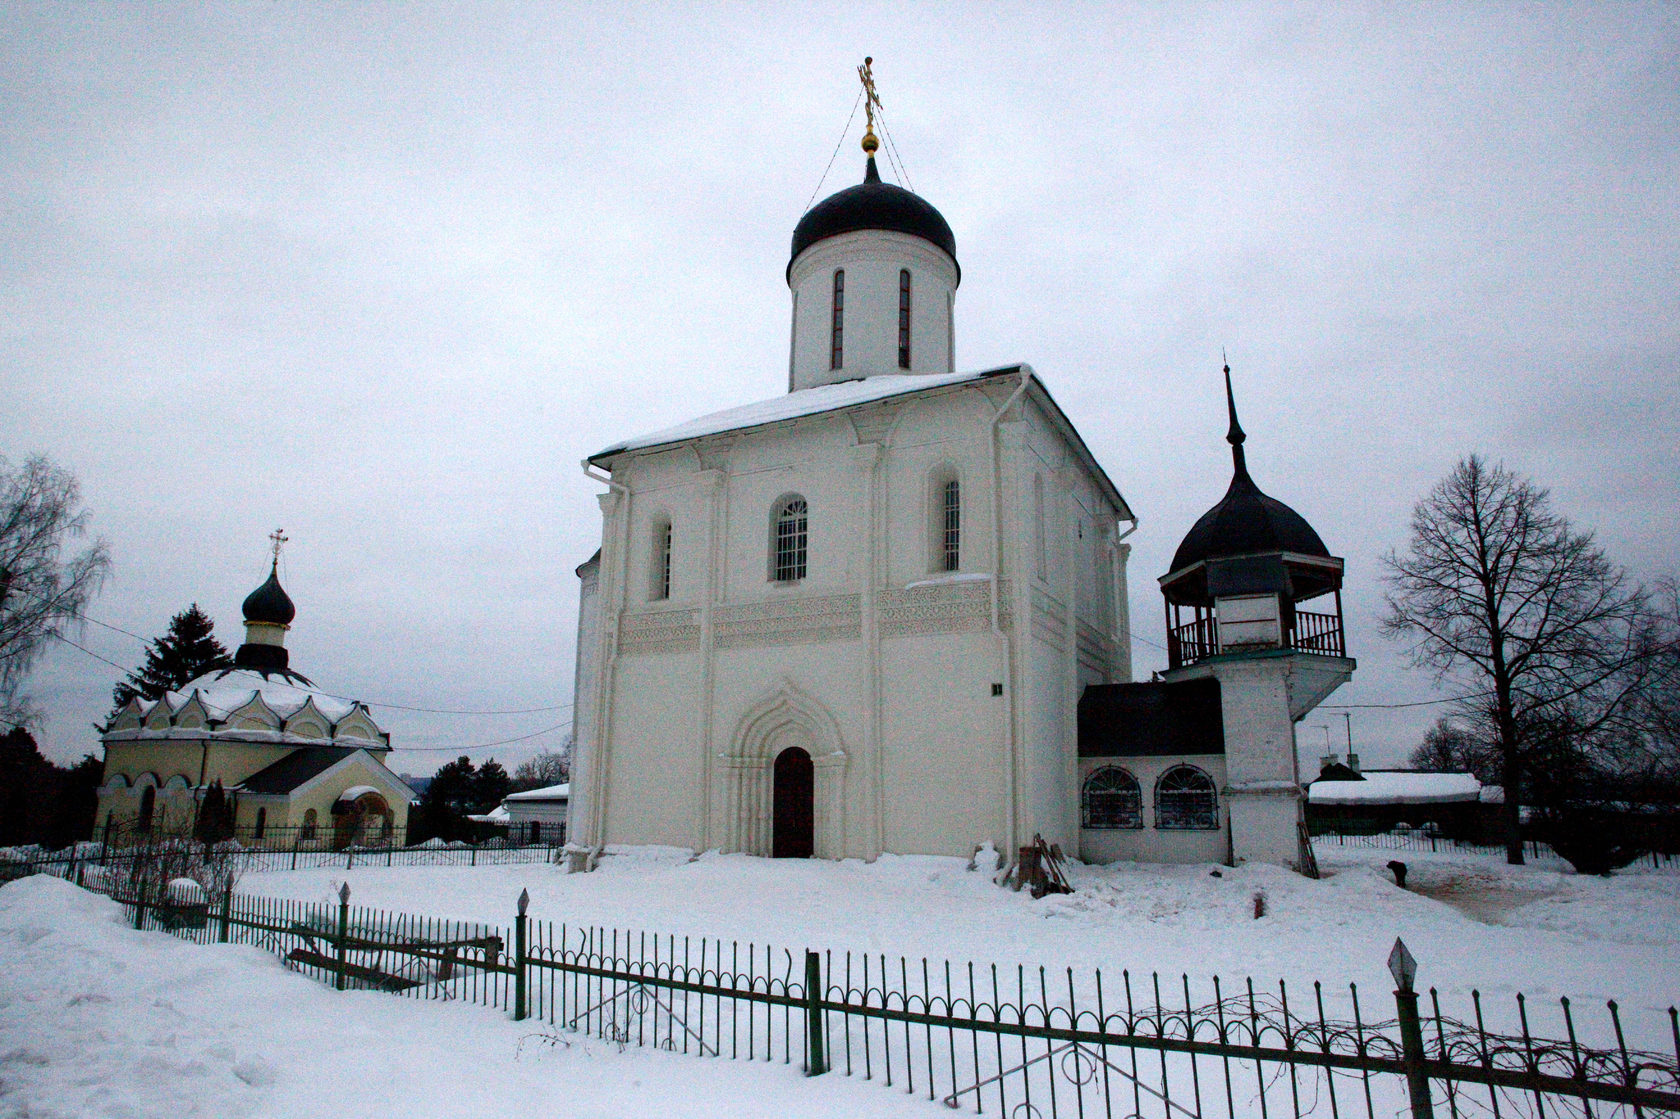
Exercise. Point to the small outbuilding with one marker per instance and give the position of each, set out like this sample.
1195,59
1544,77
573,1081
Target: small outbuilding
538,815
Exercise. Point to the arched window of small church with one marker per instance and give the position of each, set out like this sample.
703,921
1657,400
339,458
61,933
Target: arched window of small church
1111,799
904,319
837,335
148,805
262,824
1040,560
660,568
1185,800
788,538
311,821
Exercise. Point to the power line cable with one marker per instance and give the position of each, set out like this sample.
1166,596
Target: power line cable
319,691
480,746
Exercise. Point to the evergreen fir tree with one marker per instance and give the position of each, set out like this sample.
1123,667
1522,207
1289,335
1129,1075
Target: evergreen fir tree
215,815
187,651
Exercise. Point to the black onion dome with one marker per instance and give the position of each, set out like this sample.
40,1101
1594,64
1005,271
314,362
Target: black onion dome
1245,522
873,204
270,603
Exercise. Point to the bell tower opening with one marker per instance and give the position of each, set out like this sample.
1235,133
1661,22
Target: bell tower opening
793,820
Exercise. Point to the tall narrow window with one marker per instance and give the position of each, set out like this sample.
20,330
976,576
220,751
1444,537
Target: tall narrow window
788,540
950,544
1039,559
262,823
904,318
661,569
837,336
148,804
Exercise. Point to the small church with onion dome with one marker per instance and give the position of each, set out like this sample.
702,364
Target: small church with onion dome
886,611
293,760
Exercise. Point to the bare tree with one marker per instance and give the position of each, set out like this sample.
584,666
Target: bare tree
543,770
1450,747
1498,591
42,591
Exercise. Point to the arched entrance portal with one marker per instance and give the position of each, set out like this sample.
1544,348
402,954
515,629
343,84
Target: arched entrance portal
793,815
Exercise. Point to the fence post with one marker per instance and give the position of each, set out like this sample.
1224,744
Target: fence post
343,935
519,949
140,905
1404,969
296,841
227,914
815,1064
350,856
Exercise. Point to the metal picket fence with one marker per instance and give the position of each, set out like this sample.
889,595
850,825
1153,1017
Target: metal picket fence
1023,1043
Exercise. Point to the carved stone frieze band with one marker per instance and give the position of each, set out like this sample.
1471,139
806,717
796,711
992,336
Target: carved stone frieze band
659,631
941,608
789,621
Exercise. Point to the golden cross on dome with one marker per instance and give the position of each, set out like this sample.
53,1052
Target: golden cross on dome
279,537
871,102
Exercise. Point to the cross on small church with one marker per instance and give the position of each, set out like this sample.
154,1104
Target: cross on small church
279,537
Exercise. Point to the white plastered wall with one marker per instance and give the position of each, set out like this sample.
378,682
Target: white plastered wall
1150,843
892,664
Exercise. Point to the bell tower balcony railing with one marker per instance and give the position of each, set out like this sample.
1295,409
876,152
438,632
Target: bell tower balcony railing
1306,631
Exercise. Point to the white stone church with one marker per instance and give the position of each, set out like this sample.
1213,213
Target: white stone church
887,610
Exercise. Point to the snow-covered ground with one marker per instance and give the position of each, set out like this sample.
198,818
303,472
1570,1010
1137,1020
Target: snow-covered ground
97,1020
1471,921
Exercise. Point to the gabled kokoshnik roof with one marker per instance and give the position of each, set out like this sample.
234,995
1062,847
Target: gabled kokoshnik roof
824,399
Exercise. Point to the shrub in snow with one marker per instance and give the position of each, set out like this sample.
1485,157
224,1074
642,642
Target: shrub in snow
1592,840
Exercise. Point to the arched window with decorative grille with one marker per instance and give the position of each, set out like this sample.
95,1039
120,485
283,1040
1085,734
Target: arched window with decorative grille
837,331
904,318
789,526
310,824
1186,800
1111,799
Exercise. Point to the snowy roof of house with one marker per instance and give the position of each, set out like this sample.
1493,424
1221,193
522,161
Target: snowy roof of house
850,394
1395,787
550,792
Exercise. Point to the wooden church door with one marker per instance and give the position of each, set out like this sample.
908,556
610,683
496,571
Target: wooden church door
792,822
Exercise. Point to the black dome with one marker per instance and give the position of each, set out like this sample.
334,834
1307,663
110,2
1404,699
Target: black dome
873,204
270,603
1246,522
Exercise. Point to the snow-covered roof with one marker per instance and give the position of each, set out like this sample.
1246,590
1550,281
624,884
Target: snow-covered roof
497,815
1394,787
226,692
804,402
849,394
550,792
222,693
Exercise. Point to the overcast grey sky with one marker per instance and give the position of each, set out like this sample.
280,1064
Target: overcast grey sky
382,275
